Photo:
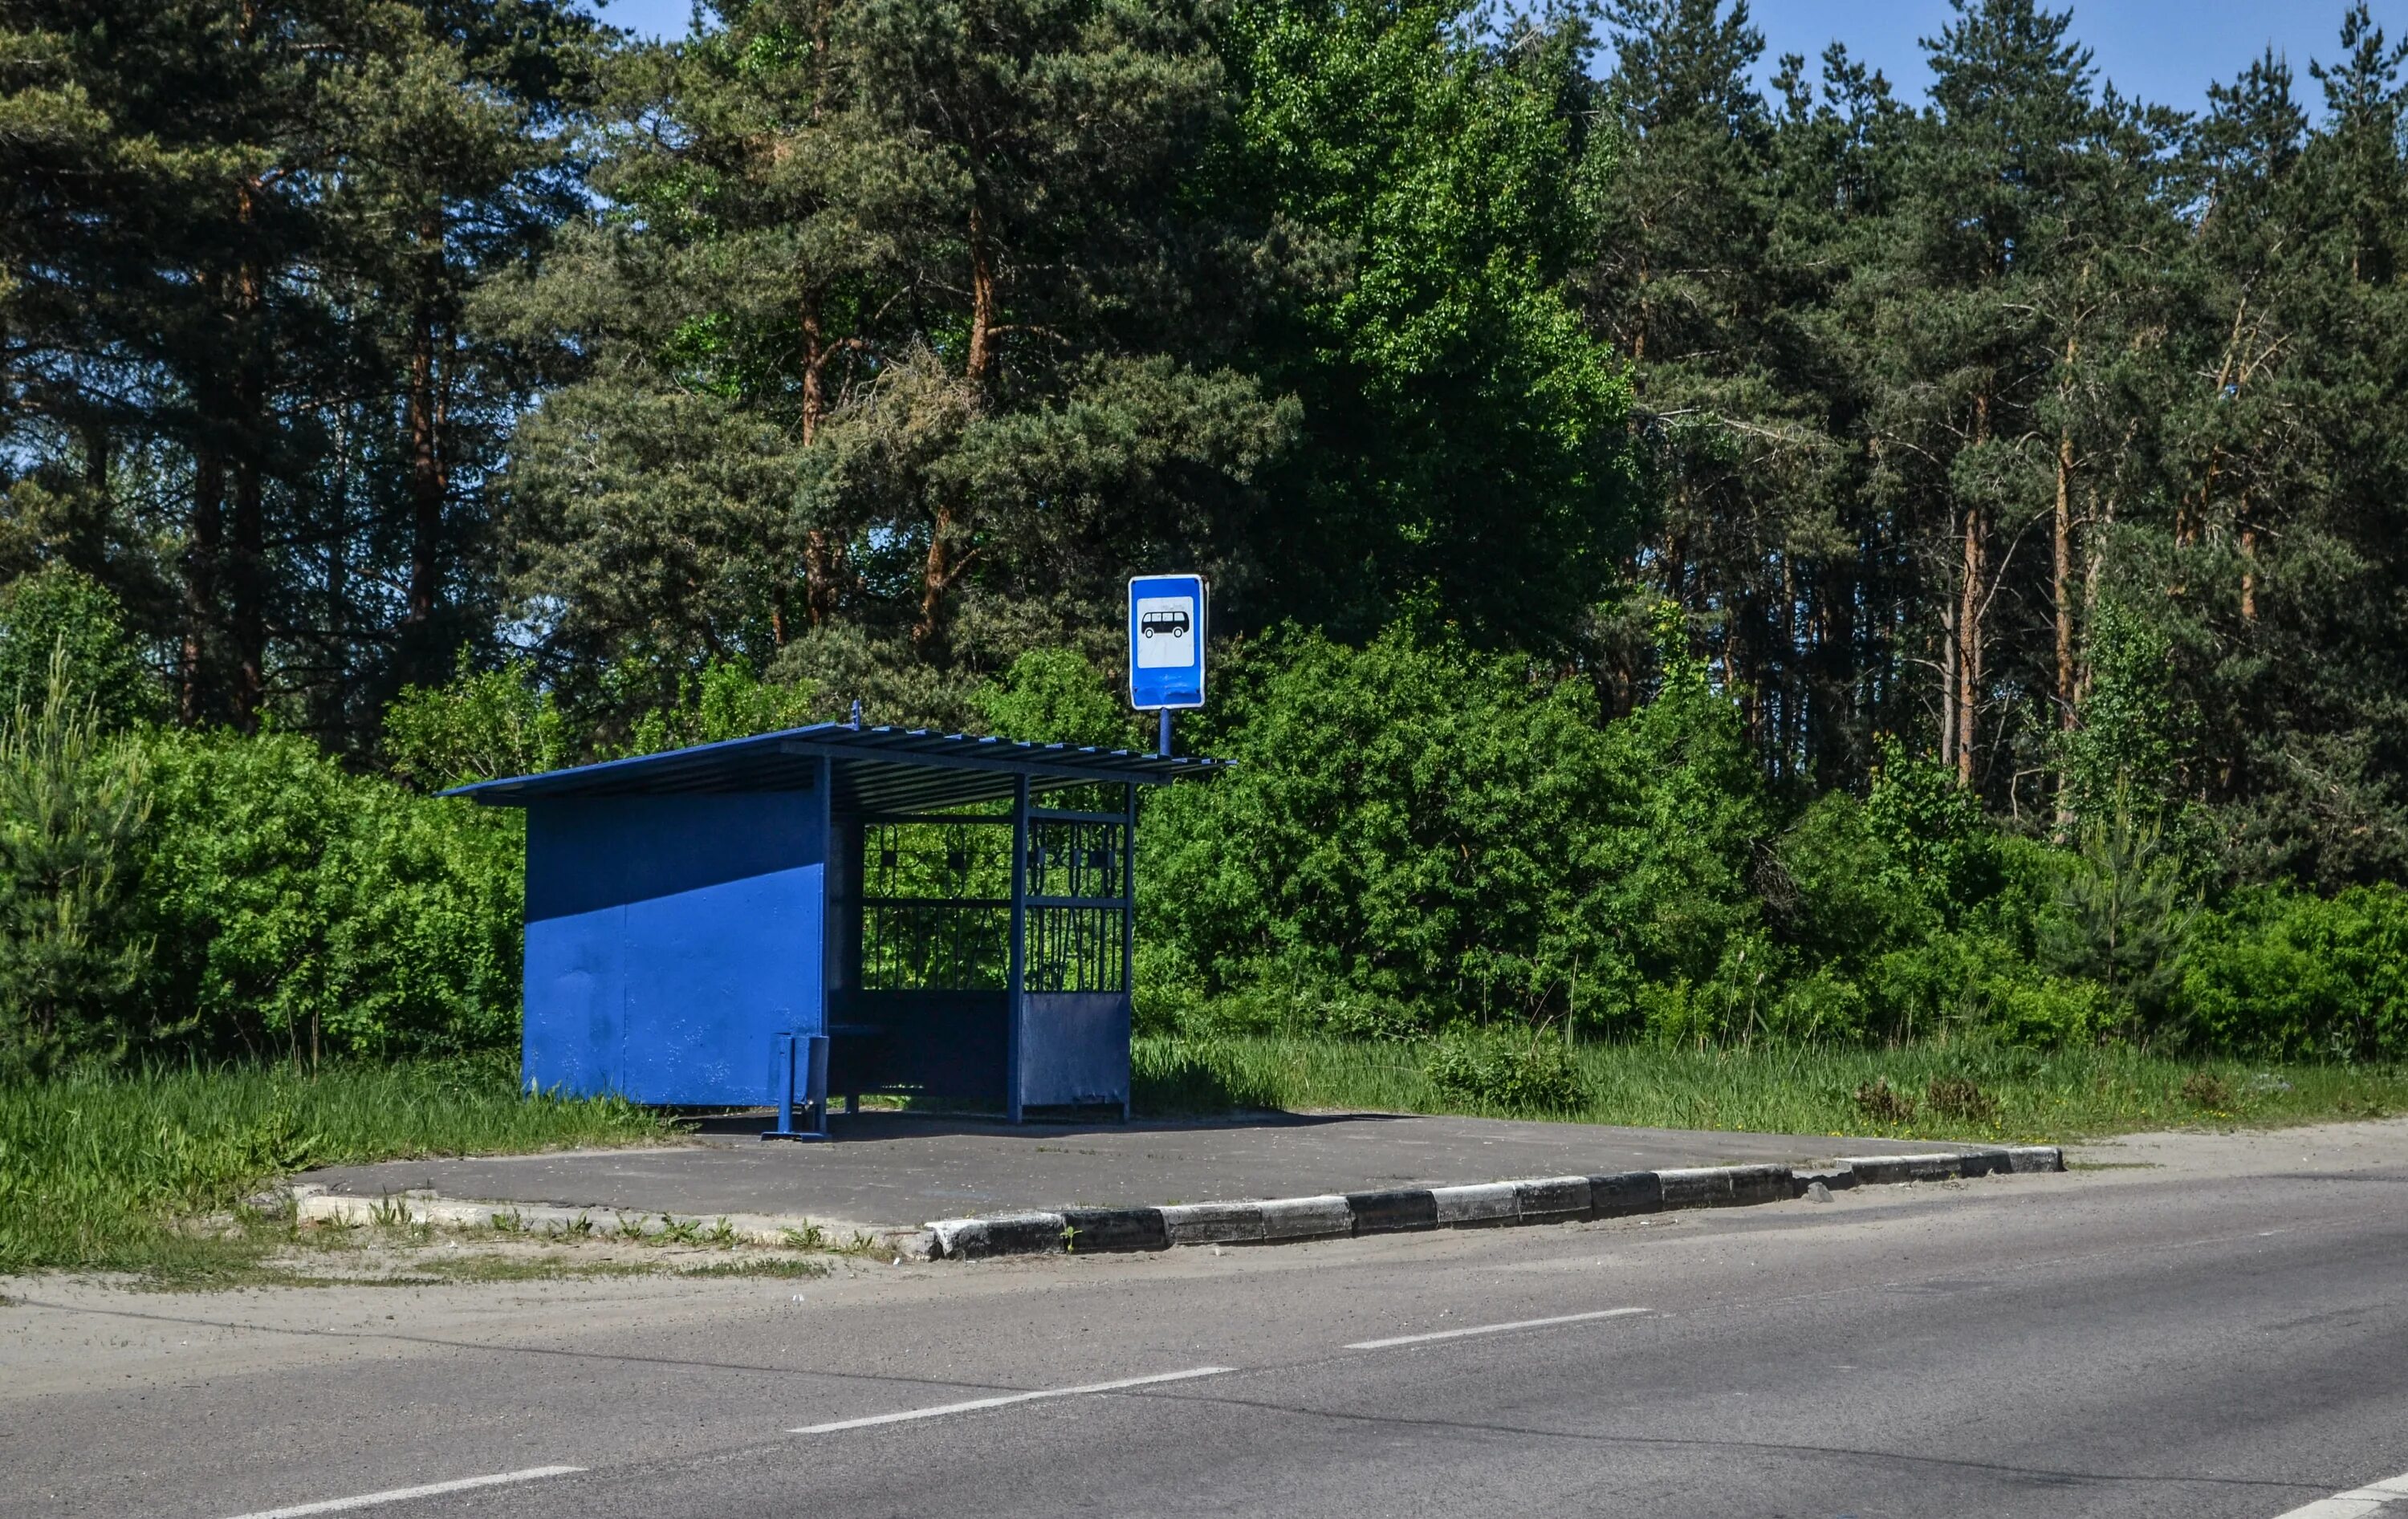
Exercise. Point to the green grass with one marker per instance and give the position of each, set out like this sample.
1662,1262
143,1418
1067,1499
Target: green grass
99,1172
2039,1096
109,1172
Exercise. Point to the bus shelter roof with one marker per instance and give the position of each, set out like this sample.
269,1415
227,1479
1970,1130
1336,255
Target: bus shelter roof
877,771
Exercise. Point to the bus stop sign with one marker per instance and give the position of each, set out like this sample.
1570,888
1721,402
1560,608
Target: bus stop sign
1166,624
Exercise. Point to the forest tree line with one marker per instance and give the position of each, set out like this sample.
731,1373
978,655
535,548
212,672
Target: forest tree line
415,389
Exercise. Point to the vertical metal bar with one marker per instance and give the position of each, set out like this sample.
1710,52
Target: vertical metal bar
818,1083
1128,889
1128,905
831,904
1162,743
1017,977
782,1081
785,1083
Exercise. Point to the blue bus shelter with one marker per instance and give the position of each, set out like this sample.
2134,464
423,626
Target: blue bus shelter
835,909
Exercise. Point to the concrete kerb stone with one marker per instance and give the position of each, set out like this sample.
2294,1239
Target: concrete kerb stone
1394,1211
1890,1170
312,1204
1006,1234
1624,1195
1697,1186
1485,1205
1551,1199
1114,1228
1328,1217
1214,1223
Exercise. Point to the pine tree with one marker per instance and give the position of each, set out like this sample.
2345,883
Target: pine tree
878,336
71,807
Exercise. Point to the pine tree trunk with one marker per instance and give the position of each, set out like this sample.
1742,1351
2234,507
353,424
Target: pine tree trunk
943,567
430,474
247,565
1968,646
821,551
1969,619
204,537
247,589
426,478
1948,672
2248,573
2061,579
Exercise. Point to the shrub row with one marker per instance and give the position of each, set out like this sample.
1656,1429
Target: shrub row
1417,837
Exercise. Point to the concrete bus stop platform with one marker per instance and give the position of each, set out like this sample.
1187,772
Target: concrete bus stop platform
894,1171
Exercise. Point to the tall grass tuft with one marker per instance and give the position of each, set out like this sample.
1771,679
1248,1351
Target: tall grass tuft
97,1171
1990,1092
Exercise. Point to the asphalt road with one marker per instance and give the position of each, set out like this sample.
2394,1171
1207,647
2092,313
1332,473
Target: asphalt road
2180,1341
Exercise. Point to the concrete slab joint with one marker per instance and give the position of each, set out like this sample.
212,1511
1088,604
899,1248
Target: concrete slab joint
1484,1205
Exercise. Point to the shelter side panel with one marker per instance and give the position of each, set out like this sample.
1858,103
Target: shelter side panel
1074,1048
576,996
709,910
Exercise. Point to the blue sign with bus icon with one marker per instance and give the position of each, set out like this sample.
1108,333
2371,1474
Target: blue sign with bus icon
1166,620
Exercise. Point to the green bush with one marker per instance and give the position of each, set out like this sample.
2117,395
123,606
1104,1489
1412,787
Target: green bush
482,726
2283,973
1938,854
303,909
58,612
725,701
1513,1072
1440,831
1057,697
2049,1011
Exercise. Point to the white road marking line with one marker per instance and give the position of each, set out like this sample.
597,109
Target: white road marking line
1495,1329
398,1495
2358,1503
944,1408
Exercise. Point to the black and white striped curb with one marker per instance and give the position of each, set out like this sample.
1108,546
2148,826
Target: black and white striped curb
1551,1200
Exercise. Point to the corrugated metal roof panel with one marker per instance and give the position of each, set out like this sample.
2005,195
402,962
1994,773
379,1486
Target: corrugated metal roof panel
876,769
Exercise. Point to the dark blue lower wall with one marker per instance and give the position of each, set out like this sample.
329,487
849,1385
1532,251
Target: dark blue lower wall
1074,1048
669,939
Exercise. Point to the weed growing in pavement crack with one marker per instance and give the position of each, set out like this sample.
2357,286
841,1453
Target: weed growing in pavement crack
759,1268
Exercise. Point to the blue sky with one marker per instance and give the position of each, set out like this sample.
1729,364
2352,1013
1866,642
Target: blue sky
2164,51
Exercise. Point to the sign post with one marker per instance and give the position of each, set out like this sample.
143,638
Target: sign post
1166,627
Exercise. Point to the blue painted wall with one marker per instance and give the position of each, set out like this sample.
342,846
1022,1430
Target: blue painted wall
669,939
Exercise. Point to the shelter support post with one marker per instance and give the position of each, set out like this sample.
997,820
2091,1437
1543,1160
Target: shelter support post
1016,983
1128,908
802,1074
